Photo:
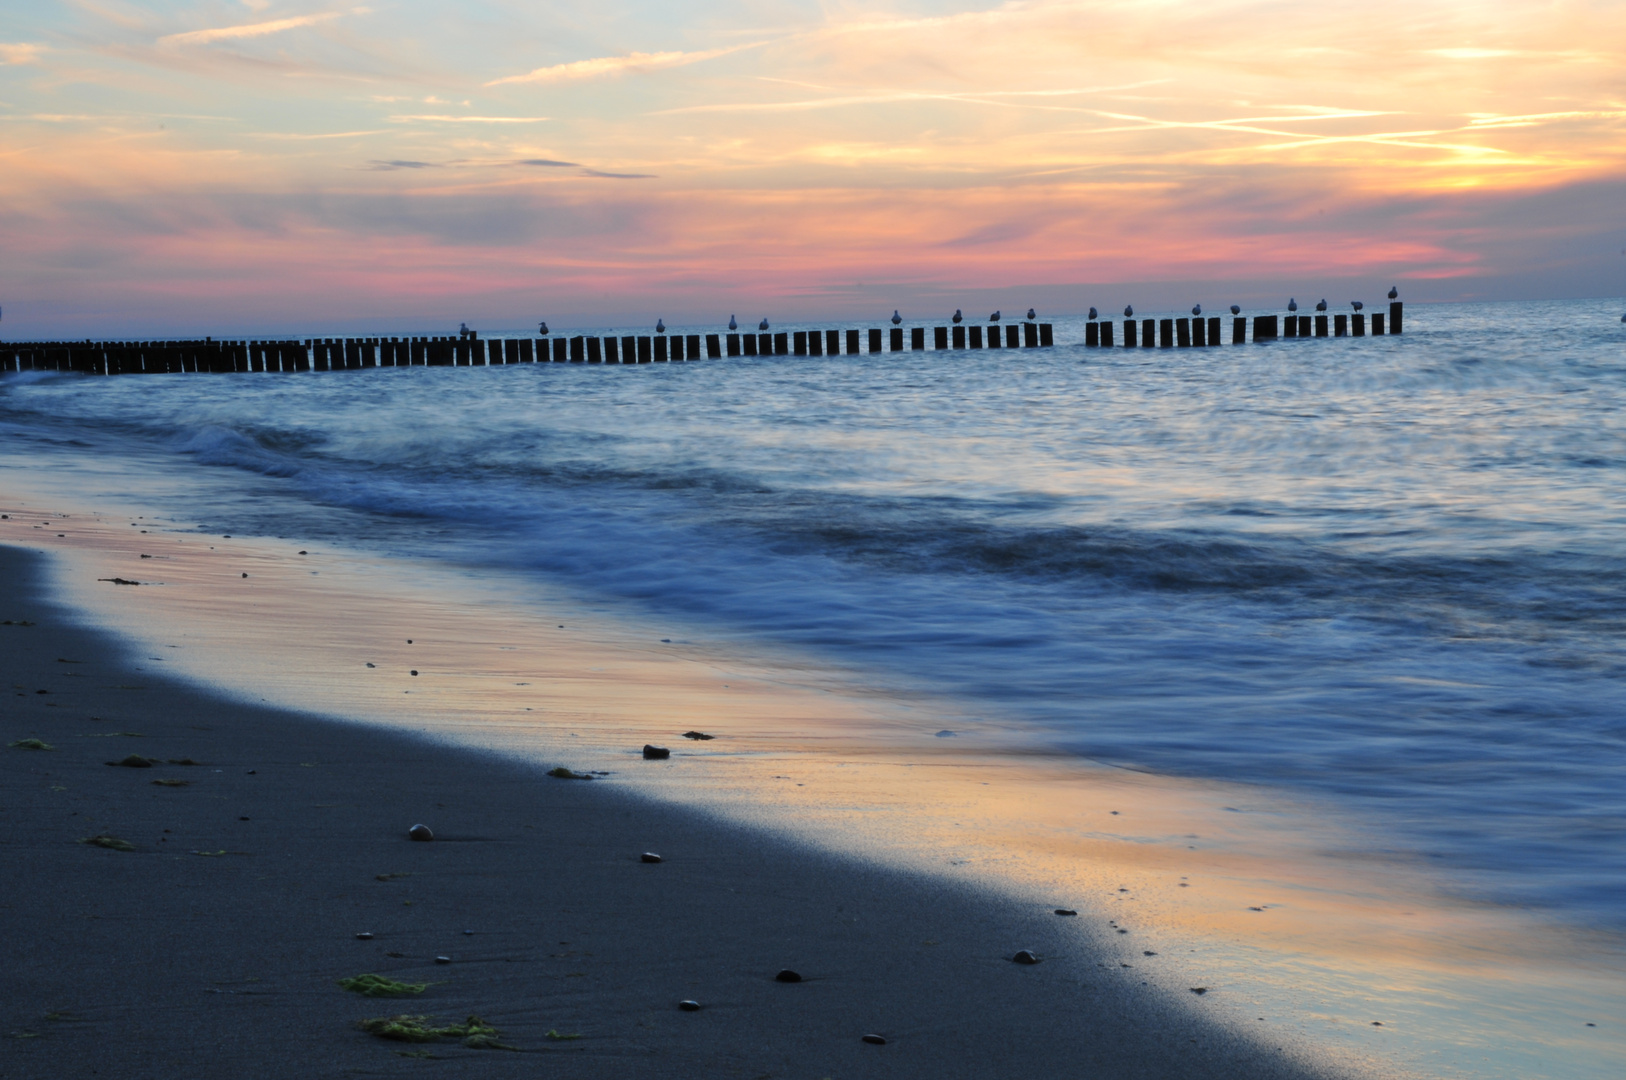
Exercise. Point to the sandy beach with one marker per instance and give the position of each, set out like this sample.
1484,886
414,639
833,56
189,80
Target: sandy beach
214,947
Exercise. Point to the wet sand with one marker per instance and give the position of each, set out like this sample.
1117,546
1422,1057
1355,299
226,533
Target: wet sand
214,947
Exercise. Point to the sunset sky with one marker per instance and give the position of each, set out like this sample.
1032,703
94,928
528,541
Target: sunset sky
263,165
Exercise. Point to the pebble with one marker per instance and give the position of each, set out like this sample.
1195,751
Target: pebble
1024,957
1199,990
874,1040
689,1006
364,937
443,959
414,671
656,753
649,856
420,832
1065,911
788,976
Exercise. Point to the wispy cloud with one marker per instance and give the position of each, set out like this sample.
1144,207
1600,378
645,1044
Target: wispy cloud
547,164
249,30
618,175
616,65
20,53
438,118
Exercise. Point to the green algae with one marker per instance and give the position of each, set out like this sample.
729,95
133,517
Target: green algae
475,1032
381,986
111,843
32,744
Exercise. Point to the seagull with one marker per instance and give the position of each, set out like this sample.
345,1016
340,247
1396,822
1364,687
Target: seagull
1093,314
1356,304
1394,293
763,325
1292,304
1196,309
463,328
1129,311
660,326
543,329
896,318
1323,305
732,325
994,317
1236,309
958,318
1032,314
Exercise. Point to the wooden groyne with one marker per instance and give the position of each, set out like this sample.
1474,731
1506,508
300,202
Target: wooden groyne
470,350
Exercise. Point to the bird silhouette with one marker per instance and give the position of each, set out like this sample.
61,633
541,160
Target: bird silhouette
1292,304
1623,318
994,317
1236,309
463,329
958,318
1032,314
1196,309
896,318
732,325
660,326
1357,305
763,325
1394,293
1093,314
543,329
1129,312
1322,306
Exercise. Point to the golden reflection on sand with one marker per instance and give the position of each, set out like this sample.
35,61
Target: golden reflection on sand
1219,882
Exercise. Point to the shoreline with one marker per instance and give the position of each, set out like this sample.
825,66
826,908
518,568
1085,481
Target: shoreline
148,961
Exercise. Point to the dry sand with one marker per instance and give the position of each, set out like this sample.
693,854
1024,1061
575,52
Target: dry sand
215,947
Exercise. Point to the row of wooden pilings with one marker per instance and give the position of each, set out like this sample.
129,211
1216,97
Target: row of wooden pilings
469,349
1170,333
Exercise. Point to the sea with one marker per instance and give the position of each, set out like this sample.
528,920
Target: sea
1385,574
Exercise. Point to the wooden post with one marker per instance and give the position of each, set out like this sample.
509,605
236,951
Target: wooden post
1030,335
663,349
1340,325
874,340
1165,333
1199,333
612,350
1396,312
801,343
522,354
975,336
561,351
578,350
1092,335
1130,340
959,337
815,343
1320,326
1182,332
832,342
1377,324
1213,330
734,344
940,338
646,350
897,339
781,344
595,350
1013,338
1106,335
692,343
1148,333
751,344
917,338
1304,326
1357,324
1047,335
1290,328
714,347
852,343
674,348
1264,328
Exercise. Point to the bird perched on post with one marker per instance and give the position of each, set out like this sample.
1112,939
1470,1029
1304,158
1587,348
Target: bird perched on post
1357,305
732,325
763,325
463,329
958,318
1196,309
1129,311
660,326
1093,315
1236,309
896,318
1032,315
1322,306
543,329
1292,304
994,317
1394,293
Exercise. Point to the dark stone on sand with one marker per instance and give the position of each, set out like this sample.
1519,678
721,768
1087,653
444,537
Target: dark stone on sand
656,753
650,857
134,761
788,975
364,937
689,1006
414,671
420,832
568,774
946,734
245,575
1065,911
1024,957
699,735
1199,990
443,959
874,1040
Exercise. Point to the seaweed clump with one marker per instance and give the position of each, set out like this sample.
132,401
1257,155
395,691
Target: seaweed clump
475,1032
111,843
32,744
569,774
380,986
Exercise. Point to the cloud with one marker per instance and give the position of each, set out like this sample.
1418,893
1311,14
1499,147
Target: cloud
618,175
615,65
391,166
548,164
226,33
20,53
437,118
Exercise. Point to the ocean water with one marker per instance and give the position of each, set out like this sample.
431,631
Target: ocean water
1389,573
